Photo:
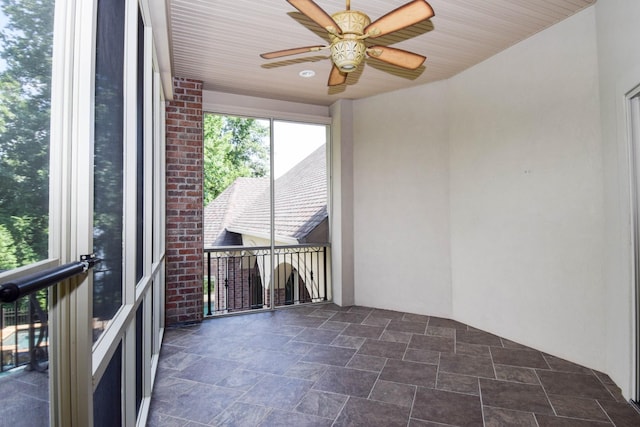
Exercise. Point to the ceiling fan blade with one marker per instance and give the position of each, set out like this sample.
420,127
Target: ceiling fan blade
316,14
402,17
399,57
294,51
336,77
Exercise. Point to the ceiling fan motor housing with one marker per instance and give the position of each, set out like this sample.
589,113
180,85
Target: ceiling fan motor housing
348,49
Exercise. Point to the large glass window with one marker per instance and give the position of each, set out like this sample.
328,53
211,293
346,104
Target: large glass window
107,399
301,223
139,356
108,162
26,42
26,38
266,228
140,153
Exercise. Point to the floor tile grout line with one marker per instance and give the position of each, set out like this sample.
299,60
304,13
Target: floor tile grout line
435,385
481,404
493,364
605,386
264,417
605,412
377,378
455,343
547,362
380,372
413,403
344,405
546,394
576,418
535,418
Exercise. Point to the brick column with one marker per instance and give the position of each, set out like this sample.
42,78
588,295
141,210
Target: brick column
184,247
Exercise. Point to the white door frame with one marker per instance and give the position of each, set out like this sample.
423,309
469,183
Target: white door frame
632,104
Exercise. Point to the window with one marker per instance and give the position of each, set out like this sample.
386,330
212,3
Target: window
266,230
108,162
26,49
107,194
26,40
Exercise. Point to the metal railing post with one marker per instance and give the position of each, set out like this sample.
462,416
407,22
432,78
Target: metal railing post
324,254
209,284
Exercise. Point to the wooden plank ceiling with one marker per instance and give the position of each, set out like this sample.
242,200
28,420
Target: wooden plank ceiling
219,42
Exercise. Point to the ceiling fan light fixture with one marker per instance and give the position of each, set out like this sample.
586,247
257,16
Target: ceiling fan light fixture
351,22
307,74
348,54
347,31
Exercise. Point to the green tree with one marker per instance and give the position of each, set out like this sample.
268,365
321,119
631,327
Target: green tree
8,258
233,147
25,47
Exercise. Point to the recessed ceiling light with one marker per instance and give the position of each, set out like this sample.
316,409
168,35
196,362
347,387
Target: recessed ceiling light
307,73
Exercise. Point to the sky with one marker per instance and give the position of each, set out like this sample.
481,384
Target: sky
293,142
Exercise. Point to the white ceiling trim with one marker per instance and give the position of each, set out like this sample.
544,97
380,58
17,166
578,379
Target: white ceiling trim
249,106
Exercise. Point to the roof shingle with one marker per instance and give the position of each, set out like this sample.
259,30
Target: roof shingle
243,208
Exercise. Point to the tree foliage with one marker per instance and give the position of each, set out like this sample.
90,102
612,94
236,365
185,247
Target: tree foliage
8,258
233,147
25,81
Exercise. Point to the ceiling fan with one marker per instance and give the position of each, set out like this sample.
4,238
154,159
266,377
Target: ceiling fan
348,31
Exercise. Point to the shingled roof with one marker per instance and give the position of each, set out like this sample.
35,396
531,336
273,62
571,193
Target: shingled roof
223,209
243,208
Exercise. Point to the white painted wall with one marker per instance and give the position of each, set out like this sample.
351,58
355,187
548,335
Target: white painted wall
526,194
341,203
401,204
618,27
481,198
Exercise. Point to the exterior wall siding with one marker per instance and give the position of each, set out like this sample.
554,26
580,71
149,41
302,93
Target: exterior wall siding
184,203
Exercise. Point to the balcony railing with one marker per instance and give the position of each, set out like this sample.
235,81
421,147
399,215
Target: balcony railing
23,333
24,314
240,278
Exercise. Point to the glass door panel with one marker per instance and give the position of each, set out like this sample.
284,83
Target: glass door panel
237,212
301,230
108,163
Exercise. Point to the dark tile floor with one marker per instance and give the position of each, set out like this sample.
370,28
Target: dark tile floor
24,398
332,366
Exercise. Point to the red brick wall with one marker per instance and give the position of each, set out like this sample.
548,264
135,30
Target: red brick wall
184,298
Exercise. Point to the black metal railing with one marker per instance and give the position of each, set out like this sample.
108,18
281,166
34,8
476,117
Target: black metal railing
240,278
24,333
24,315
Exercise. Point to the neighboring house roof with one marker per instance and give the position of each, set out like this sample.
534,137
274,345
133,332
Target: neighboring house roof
301,205
231,202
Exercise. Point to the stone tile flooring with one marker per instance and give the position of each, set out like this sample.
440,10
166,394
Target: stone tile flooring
24,398
355,366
